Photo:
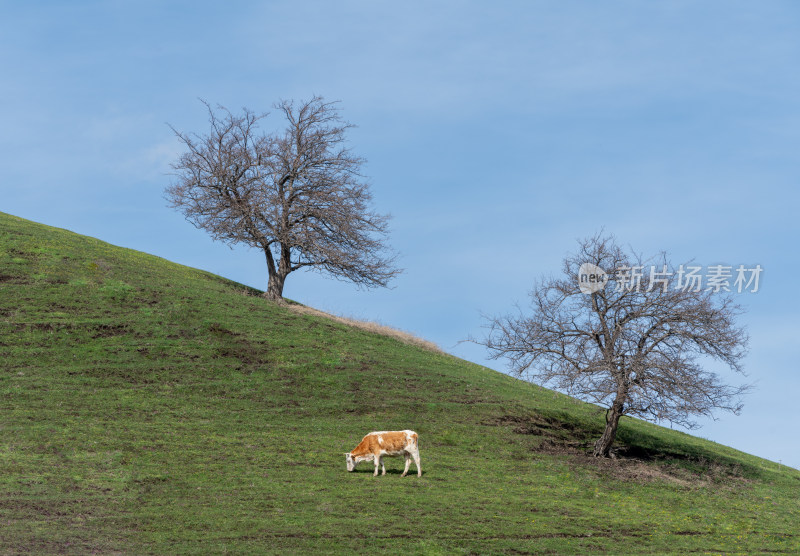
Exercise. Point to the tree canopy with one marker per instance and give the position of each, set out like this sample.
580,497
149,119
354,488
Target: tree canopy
298,195
634,343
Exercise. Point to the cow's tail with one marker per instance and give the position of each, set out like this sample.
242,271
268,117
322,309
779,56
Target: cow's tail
414,439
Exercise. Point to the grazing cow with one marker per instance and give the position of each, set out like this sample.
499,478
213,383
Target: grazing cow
385,443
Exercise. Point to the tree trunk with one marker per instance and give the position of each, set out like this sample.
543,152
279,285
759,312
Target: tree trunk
603,445
275,287
276,278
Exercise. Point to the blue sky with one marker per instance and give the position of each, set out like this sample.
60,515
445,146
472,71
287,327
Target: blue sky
496,135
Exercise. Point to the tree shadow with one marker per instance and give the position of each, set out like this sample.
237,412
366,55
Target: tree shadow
411,471
674,454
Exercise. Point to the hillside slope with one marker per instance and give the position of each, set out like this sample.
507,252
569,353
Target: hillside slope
147,407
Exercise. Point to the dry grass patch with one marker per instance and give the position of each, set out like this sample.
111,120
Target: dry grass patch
405,337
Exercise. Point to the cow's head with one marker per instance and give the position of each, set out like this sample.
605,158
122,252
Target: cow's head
351,461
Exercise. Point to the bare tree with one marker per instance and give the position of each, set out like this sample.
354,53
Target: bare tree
297,195
631,338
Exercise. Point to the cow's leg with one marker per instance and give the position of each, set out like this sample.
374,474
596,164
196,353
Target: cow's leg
408,464
377,465
383,467
415,455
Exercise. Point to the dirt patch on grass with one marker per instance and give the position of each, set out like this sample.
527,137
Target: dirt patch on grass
639,471
252,356
45,326
22,254
466,399
219,330
110,330
15,280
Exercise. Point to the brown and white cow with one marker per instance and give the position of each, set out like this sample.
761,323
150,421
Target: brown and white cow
385,443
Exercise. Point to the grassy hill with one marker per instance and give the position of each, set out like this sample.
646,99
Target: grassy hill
147,407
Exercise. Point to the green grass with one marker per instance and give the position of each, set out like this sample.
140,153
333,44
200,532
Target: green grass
147,407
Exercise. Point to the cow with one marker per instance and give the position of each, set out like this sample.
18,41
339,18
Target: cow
385,443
